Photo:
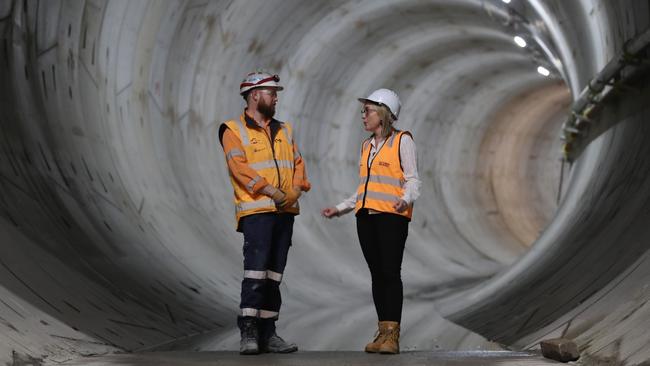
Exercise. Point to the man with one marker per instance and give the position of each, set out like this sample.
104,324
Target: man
268,175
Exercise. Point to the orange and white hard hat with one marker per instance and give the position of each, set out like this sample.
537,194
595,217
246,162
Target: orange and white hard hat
259,79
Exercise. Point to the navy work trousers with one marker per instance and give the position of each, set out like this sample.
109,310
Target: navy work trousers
267,238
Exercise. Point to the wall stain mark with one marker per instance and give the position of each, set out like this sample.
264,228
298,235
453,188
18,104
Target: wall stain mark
112,332
108,341
8,325
169,312
83,161
166,288
94,305
192,288
54,77
140,326
102,183
58,167
55,45
72,307
78,340
29,287
12,309
44,84
18,359
47,164
116,310
8,215
66,223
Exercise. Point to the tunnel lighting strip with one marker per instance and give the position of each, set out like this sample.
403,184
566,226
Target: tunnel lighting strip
575,129
524,36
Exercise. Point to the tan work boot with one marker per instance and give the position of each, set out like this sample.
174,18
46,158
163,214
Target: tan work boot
373,347
391,338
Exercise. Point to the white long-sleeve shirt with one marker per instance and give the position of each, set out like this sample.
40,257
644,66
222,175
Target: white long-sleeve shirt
408,157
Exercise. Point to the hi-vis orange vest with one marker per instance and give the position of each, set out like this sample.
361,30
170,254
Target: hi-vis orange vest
273,161
381,180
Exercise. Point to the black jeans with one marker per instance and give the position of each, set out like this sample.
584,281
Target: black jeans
383,237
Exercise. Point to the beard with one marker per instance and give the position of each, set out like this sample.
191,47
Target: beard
268,110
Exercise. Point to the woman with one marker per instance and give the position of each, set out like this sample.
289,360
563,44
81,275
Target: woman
383,203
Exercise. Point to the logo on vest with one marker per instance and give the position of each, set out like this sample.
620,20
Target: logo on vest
384,164
254,141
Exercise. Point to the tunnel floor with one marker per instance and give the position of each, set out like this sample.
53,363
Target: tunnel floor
438,358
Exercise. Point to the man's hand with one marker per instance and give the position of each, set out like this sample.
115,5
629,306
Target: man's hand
400,206
330,212
290,198
278,196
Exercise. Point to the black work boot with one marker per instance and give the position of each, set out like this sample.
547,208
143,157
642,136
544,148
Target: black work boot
270,342
249,335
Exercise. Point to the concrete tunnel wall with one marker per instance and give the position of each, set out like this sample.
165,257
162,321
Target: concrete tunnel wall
116,219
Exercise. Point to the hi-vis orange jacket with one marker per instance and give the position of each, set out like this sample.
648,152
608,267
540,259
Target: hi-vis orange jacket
255,161
381,180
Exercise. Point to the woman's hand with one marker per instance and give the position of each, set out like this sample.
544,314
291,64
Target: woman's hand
329,212
400,206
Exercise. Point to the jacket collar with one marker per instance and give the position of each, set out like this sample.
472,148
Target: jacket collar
274,125
250,122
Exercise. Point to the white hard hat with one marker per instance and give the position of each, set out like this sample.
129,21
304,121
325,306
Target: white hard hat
259,79
385,97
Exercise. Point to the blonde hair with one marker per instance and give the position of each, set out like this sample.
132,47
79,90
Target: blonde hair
386,118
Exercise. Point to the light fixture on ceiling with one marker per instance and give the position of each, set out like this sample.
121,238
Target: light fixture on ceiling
520,41
543,71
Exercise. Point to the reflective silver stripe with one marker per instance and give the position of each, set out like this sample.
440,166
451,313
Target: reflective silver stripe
234,152
285,164
382,179
263,165
253,205
243,132
271,164
258,275
378,196
275,276
249,312
252,183
286,132
266,314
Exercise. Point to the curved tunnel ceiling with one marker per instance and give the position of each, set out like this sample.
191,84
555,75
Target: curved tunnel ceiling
117,219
